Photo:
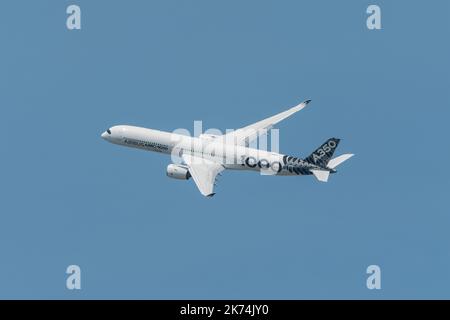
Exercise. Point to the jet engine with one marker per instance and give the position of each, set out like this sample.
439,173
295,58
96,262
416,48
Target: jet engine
176,171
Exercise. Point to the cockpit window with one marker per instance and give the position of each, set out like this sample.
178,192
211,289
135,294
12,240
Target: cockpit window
109,131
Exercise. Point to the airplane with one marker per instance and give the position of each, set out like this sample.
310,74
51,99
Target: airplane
204,157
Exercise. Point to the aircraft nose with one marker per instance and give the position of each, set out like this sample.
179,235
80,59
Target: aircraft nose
104,135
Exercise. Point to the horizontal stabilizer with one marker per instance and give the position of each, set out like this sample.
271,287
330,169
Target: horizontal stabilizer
333,163
321,175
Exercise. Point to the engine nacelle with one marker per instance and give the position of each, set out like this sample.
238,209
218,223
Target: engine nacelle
178,172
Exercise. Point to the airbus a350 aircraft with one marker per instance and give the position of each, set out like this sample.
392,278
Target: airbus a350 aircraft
206,156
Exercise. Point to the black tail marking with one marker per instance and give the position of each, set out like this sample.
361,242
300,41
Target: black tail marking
323,154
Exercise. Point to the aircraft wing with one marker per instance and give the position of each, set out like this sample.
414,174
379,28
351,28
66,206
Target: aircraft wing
244,135
204,173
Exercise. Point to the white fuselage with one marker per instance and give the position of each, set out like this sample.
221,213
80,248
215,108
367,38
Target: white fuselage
212,148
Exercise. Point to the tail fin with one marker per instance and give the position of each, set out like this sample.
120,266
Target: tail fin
323,154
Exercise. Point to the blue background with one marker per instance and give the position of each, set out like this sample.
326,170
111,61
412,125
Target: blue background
68,197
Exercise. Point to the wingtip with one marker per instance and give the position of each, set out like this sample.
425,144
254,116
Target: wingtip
301,105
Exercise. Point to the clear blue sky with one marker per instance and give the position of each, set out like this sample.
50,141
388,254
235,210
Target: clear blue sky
68,197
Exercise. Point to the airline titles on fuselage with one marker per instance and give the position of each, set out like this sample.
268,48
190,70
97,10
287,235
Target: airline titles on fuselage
146,144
